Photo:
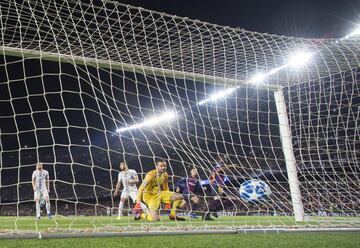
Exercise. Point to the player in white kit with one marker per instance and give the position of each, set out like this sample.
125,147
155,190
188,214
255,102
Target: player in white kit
41,187
129,179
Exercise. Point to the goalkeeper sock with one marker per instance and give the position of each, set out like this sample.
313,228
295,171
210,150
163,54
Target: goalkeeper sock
37,209
121,207
47,204
175,205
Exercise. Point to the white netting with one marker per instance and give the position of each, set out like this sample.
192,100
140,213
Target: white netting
73,72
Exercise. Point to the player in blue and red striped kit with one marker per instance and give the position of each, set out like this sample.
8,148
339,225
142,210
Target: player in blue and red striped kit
218,188
188,187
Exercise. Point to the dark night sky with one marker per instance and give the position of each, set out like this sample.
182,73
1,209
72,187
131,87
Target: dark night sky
306,18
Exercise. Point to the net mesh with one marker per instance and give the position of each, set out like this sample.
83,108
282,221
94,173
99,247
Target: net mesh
74,72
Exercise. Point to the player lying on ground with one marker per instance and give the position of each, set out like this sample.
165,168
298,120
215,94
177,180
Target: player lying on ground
41,187
154,191
188,187
128,178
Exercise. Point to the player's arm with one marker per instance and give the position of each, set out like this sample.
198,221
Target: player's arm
148,178
212,177
117,187
134,179
178,185
33,182
198,187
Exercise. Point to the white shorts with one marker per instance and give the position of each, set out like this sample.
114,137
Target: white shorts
131,193
38,193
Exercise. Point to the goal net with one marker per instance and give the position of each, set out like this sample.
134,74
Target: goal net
85,86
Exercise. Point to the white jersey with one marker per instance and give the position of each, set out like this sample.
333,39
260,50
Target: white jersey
40,179
124,177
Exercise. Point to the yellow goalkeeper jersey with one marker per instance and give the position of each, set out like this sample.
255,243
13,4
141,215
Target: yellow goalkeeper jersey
153,184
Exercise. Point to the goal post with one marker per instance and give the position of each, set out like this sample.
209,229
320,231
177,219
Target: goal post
290,161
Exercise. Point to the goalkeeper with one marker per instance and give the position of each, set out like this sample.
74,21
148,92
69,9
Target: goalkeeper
154,190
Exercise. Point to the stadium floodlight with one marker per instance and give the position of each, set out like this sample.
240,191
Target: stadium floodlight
356,32
167,116
218,95
258,78
299,59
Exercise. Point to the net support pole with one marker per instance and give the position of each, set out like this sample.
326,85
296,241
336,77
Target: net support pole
289,155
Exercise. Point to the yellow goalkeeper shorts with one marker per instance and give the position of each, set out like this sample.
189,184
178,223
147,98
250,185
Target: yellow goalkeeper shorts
153,201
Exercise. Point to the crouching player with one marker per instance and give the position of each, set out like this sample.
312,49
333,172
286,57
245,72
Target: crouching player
154,191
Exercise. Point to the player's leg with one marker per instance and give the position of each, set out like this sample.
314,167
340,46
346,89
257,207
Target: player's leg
215,203
124,195
194,201
37,202
45,195
176,199
153,203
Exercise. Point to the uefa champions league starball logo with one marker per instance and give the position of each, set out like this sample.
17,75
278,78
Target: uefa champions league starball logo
254,191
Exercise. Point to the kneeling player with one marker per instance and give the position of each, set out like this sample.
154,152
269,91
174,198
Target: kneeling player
154,190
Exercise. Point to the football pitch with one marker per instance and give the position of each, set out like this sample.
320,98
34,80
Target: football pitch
330,240
106,223
98,224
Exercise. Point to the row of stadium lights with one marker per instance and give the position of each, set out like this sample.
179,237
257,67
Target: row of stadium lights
299,59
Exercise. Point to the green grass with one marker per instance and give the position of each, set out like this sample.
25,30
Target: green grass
330,240
105,223
102,222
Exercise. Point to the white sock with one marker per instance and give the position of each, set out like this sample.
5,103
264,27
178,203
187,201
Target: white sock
47,207
37,209
121,207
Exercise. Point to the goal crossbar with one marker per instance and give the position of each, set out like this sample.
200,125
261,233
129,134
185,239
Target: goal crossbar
143,69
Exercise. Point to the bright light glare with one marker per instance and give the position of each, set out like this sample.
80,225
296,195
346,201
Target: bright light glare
218,95
258,78
356,32
167,116
299,59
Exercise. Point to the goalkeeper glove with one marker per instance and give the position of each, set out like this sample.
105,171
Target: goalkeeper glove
137,209
167,206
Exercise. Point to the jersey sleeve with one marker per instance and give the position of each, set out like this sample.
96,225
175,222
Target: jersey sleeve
33,176
165,184
47,175
147,180
119,177
180,183
133,173
198,187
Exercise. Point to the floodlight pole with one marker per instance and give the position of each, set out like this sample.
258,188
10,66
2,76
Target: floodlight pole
289,155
